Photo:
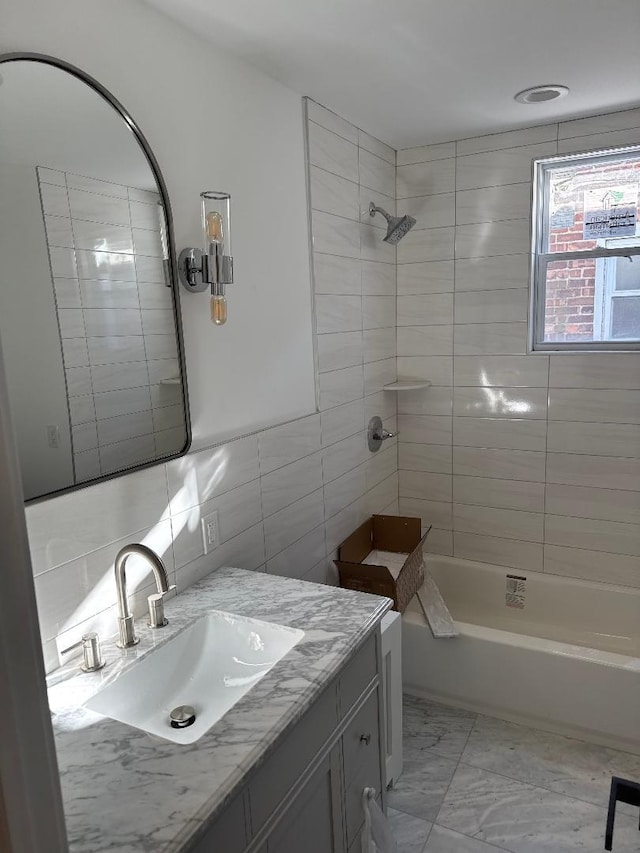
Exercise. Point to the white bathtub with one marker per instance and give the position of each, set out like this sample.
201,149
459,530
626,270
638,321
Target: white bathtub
568,661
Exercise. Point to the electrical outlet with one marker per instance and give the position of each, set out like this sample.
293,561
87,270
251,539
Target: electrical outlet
210,531
53,435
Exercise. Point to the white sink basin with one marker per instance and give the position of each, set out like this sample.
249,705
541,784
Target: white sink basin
208,666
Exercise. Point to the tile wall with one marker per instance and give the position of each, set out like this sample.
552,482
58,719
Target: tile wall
116,322
286,496
527,461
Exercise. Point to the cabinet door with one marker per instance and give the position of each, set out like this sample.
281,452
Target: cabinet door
313,823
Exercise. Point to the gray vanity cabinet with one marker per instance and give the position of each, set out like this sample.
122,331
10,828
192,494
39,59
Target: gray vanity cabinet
307,795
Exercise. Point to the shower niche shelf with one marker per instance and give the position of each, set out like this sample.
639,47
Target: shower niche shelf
407,385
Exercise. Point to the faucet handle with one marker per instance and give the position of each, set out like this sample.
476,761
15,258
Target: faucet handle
92,656
157,619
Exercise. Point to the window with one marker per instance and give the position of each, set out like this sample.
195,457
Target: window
586,252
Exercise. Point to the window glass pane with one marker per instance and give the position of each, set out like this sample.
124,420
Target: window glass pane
570,300
625,317
628,273
591,201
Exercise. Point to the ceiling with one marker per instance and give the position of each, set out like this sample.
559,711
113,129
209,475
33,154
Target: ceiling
50,118
413,72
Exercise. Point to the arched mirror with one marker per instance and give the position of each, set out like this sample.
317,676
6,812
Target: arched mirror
89,318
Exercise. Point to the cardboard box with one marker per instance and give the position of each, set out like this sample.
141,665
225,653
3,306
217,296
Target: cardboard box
397,534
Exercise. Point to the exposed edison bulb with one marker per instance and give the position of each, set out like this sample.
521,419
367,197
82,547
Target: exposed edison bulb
214,227
218,310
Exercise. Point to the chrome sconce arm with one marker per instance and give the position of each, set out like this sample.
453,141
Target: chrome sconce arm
212,267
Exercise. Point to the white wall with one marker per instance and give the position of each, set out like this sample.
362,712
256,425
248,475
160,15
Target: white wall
244,135
30,336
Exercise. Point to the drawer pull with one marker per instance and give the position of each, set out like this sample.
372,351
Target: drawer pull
366,739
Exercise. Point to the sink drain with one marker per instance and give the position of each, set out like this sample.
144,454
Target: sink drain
182,717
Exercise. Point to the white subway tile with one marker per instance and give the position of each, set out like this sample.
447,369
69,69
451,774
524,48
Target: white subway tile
110,404
339,350
301,557
435,458
125,454
438,369
378,279
490,339
375,146
596,370
437,513
113,377
431,211
501,272
200,476
379,344
377,374
245,551
373,247
59,232
124,427
96,207
582,502
429,244
343,456
491,306
425,153
595,405
495,168
67,292
342,422
500,403
425,429
508,139
426,178
336,275
333,153
112,322
608,472
93,185
486,239
504,494
111,350
490,204
487,371
593,534
54,200
425,485
338,313
147,243
501,523
87,465
506,434
426,277
378,312
377,174
51,176
514,554
331,121
425,340
158,321
596,141
286,443
621,120
81,409
597,439
113,266
332,194
63,262
109,294
95,237
499,464
333,235
341,386
431,310
435,400
153,294
284,486
344,490
592,565
292,523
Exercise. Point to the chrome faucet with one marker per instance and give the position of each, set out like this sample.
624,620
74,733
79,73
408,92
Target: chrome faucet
126,627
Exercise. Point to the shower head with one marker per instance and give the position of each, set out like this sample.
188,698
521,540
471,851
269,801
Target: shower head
397,226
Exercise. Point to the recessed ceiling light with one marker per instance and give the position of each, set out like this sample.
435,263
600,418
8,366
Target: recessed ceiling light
540,94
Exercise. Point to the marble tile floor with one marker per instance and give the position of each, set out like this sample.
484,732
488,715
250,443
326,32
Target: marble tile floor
475,784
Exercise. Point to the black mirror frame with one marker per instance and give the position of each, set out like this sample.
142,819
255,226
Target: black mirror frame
106,95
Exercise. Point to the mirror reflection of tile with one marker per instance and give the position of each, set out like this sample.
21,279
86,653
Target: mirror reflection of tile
116,322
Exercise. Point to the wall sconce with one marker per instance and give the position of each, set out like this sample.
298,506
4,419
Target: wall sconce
213,266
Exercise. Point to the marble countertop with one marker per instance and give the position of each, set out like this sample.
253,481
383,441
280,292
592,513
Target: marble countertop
127,791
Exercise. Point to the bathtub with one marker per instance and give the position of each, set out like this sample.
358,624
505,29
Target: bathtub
556,653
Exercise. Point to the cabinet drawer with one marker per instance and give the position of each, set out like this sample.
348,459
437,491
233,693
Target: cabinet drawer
357,675
228,833
361,742
354,814
276,777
